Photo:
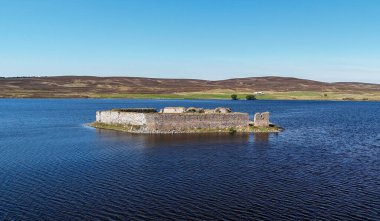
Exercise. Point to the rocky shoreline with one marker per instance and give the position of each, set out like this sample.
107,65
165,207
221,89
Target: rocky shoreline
134,130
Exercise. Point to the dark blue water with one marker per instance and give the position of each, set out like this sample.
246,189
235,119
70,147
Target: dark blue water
325,166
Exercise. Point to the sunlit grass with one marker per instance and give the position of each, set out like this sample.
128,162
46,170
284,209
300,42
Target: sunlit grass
212,94
293,95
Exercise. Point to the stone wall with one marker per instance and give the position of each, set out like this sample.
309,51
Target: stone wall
169,122
189,121
173,110
119,117
261,119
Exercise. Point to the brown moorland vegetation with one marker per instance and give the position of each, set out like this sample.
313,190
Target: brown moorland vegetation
135,87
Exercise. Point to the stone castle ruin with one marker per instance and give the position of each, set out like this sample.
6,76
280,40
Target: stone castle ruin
261,119
179,119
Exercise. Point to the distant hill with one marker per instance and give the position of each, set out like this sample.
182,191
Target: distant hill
88,86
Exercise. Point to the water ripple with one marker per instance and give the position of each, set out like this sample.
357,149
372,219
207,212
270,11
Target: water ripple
323,167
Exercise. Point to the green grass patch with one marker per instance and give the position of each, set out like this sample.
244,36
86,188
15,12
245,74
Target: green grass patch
291,95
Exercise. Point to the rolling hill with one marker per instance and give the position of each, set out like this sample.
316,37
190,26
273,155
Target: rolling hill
135,87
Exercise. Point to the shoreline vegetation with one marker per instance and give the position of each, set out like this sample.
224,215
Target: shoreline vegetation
231,130
293,95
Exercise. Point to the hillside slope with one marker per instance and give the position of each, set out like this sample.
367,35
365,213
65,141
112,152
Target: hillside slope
88,86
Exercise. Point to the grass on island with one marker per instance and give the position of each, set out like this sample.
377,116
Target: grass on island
230,130
118,127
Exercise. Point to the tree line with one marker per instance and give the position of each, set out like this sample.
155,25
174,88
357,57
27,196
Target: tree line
247,97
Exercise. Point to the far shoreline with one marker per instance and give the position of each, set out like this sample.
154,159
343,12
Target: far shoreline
263,88
195,99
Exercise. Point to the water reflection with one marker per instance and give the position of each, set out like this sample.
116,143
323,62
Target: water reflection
172,140
314,166
177,140
261,139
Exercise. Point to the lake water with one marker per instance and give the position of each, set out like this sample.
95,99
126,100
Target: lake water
324,166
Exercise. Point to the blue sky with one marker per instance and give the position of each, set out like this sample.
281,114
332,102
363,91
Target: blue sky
328,40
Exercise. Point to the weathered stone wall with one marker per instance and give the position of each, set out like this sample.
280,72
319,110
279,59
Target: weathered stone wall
119,117
189,121
168,122
173,110
261,119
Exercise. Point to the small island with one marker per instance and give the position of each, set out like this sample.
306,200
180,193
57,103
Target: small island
183,120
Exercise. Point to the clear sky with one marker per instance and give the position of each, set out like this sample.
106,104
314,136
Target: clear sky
328,40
